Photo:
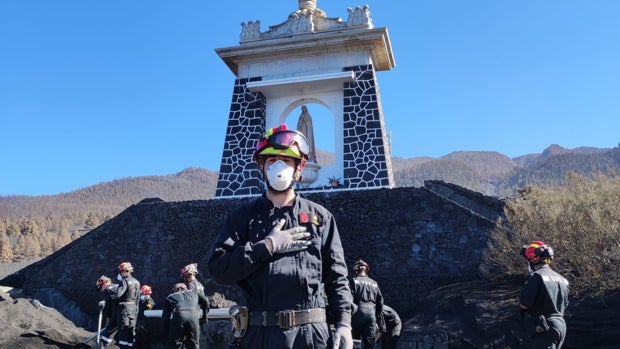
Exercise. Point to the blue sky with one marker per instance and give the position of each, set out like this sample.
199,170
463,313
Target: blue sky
92,91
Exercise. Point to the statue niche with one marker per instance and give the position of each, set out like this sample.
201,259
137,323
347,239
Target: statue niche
311,170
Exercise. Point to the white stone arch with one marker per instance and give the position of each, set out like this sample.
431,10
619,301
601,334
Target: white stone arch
281,110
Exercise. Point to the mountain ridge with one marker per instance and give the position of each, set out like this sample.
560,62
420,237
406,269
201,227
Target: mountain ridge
488,172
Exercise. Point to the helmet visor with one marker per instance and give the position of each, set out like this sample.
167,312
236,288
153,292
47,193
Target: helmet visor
287,139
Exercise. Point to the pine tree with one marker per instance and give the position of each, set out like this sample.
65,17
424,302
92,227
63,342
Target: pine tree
6,253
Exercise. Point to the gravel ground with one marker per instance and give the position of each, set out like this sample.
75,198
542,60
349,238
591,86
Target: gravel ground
7,269
28,324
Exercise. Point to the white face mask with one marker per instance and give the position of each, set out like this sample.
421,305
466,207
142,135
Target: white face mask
280,175
119,277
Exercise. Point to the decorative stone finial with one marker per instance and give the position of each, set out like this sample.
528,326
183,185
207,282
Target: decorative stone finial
307,5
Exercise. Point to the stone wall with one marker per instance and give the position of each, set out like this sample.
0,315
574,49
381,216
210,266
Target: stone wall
414,239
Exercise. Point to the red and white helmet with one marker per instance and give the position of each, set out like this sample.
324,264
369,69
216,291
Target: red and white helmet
190,269
102,281
125,266
146,290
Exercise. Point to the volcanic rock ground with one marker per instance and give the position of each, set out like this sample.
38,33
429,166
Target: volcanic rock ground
475,314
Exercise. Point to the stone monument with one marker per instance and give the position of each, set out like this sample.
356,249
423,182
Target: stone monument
309,58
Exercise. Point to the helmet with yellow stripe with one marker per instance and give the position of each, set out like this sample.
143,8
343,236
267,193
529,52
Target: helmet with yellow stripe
280,140
360,265
537,252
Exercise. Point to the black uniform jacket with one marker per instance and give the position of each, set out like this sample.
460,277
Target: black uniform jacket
366,293
293,280
545,293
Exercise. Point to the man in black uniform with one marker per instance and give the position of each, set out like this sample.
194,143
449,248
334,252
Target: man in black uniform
110,310
188,274
143,338
127,297
367,296
181,318
393,326
146,301
543,298
285,253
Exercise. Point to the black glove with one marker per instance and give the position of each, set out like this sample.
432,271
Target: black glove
101,305
203,318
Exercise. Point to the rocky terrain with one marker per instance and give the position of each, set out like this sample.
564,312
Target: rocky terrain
474,314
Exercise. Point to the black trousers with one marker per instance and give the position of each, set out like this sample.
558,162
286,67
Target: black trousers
364,323
184,329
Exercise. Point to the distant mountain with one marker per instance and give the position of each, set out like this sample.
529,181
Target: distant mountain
494,174
490,173
109,198
552,169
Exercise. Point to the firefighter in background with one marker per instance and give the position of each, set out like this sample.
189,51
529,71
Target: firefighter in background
369,300
543,299
181,318
127,297
146,301
143,338
393,326
188,273
107,292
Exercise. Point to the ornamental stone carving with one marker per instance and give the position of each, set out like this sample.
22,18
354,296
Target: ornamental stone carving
250,31
307,19
359,17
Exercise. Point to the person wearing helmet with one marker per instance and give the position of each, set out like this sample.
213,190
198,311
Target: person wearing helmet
284,252
543,299
188,273
142,336
181,317
127,298
146,301
369,300
107,291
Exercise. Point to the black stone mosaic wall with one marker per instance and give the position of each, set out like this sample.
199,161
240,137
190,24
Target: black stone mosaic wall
239,174
366,154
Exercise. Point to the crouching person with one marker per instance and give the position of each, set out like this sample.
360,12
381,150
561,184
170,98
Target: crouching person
182,317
